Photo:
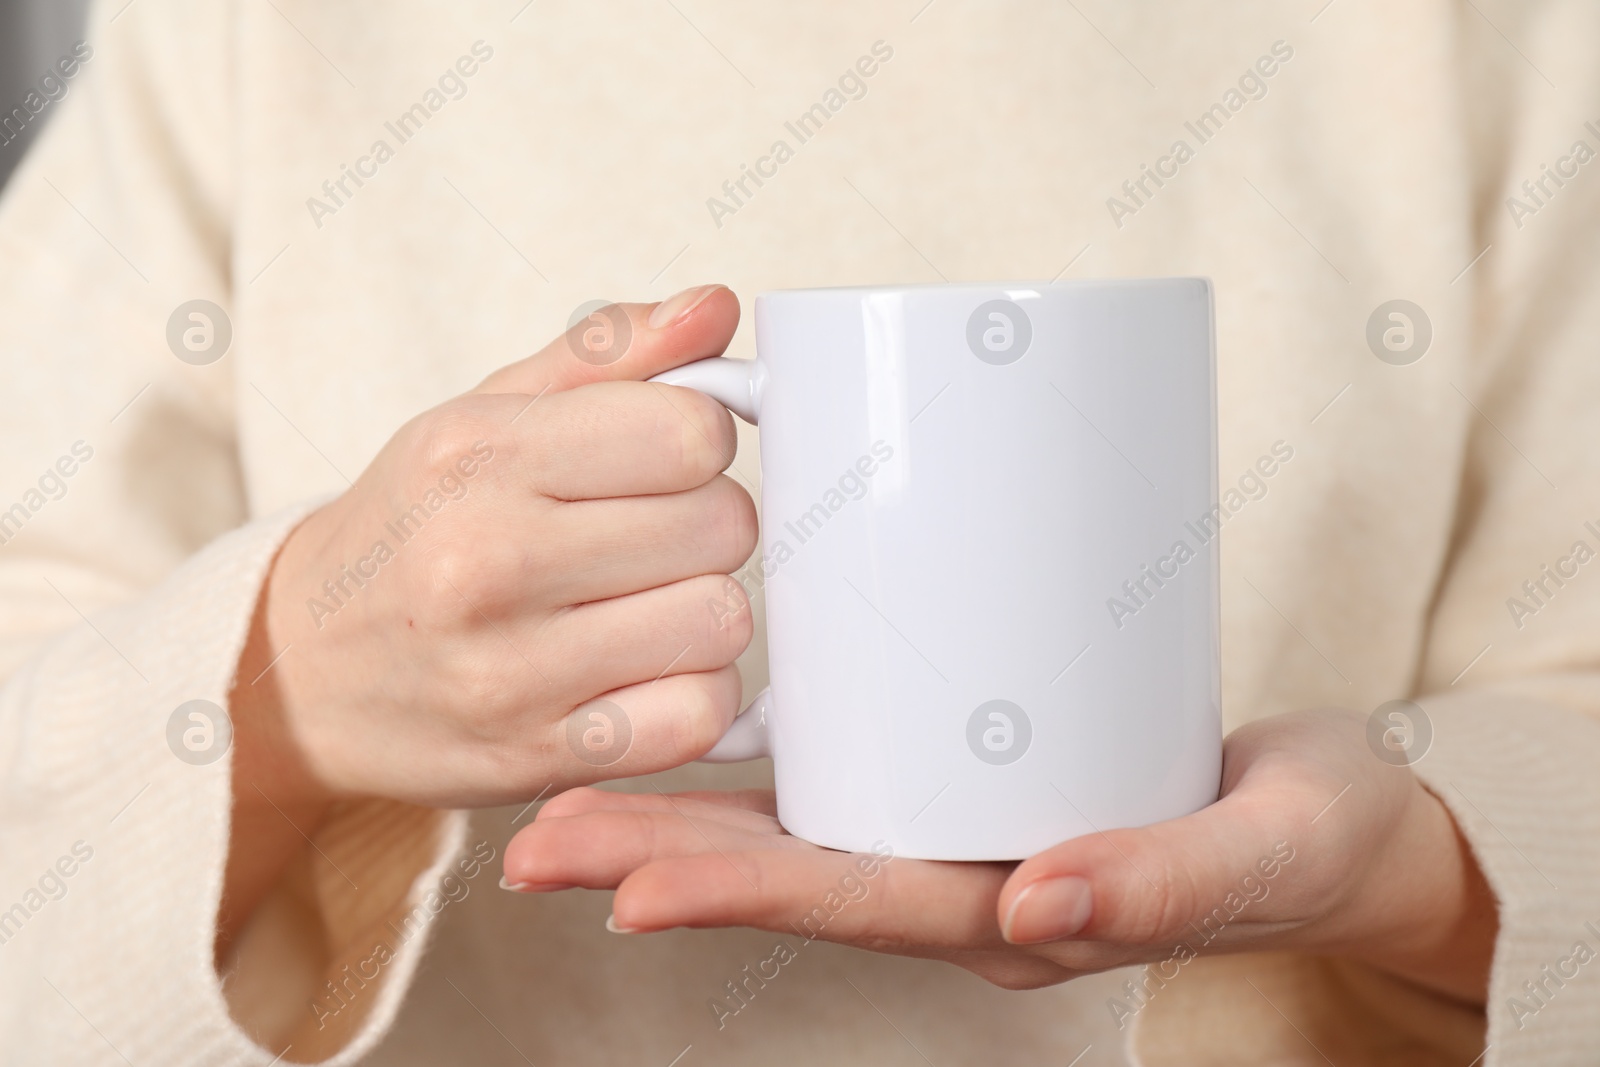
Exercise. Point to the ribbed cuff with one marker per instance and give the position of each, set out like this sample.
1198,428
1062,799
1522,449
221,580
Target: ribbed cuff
1522,779
122,959
325,962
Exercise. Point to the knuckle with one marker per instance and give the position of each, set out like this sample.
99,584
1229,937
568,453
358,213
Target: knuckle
523,759
481,701
452,585
1167,905
445,436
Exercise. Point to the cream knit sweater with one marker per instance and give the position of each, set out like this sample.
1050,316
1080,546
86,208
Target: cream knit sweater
390,200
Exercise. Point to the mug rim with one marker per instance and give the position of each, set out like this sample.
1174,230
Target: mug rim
922,287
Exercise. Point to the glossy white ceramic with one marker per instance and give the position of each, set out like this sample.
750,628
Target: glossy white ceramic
990,560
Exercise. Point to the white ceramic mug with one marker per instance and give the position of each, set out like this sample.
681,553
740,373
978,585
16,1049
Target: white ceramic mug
990,560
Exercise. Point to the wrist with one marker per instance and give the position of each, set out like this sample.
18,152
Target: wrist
1444,939
295,677
270,756
276,803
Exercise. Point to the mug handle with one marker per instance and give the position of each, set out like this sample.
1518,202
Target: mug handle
736,384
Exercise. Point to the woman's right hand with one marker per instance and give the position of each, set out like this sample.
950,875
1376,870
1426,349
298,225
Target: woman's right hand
550,539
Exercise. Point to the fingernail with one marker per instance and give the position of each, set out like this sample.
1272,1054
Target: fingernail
533,887
611,924
677,306
1049,909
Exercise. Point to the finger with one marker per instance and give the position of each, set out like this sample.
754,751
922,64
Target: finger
598,549
626,342
600,848
640,729
614,439
644,636
1194,876
910,907
592,550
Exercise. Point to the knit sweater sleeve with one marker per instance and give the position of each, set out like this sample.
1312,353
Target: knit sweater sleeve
129,572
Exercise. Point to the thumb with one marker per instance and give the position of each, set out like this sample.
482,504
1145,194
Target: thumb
625,342
1148,886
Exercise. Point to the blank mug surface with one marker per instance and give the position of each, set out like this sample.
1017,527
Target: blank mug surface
990,561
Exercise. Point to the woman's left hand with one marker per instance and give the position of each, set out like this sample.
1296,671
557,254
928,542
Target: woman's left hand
1315,845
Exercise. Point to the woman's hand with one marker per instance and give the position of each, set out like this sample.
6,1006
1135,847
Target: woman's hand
510,600
548,539
1315,845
